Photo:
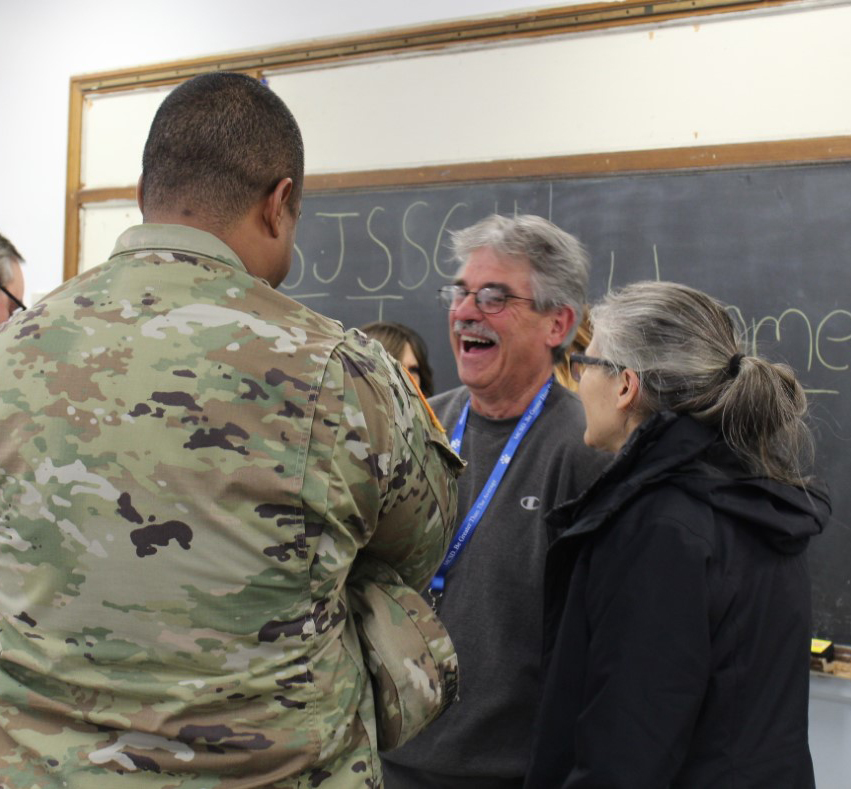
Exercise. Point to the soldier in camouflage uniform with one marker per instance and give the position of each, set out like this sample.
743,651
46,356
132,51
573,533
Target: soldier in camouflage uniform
192,468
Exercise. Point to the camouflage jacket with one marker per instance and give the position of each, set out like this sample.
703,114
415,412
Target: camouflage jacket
190,463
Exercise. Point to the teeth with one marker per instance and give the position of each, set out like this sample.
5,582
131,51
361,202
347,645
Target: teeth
469,338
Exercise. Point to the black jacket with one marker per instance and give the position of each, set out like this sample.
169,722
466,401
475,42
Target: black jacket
678,623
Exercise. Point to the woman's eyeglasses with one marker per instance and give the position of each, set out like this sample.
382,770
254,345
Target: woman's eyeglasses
579,361
14,299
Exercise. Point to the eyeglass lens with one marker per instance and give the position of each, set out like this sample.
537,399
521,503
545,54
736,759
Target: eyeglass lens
490,300
576,369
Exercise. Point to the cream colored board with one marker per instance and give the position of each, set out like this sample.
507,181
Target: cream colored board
100,226
115,127
722,80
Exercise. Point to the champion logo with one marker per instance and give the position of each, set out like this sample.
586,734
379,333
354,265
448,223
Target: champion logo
530,502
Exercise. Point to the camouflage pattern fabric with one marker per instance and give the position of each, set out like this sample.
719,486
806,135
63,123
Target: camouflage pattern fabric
413,667
190,464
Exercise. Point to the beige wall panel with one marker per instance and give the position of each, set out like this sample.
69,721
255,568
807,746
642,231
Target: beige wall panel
759,77
115,127
100,225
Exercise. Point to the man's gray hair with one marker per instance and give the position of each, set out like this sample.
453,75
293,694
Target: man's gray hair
8,255
558,260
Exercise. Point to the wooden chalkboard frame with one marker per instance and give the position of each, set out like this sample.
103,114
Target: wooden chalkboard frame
500,29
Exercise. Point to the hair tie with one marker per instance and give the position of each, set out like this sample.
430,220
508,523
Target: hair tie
735,364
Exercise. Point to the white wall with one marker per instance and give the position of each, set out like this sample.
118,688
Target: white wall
765,79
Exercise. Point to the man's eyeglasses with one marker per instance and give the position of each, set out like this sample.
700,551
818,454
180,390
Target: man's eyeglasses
14,299
579,361
488,300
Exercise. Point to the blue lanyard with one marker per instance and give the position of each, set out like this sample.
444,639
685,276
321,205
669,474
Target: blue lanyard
468,525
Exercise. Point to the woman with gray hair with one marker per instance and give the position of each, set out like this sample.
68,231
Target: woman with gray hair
678,610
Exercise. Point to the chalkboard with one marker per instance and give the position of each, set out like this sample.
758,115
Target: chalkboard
773,243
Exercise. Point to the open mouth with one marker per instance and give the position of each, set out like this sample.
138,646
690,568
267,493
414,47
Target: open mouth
470,344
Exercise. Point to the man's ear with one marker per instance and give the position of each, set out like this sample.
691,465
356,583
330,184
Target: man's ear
628,390
563,320
140,200
276,204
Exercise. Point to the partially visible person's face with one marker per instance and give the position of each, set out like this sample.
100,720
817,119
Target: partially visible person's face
16,287
605,424
409,360
500,352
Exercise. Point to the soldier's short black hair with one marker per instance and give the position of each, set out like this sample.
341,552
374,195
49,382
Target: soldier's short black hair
218,143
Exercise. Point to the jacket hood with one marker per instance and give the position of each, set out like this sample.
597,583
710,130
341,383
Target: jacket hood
678,450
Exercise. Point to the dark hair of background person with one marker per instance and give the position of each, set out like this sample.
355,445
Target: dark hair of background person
690,360
394,336
217,144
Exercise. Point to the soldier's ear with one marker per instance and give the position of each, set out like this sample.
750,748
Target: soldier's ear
276,206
